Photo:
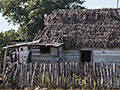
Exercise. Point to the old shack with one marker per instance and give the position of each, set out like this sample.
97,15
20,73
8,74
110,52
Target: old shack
91,35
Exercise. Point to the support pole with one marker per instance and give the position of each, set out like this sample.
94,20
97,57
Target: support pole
17,55
117,3
4,64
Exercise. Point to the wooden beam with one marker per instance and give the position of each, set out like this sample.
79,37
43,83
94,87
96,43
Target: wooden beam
17,50
117,3
4,65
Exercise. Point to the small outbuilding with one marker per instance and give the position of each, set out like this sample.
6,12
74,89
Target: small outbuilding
91,35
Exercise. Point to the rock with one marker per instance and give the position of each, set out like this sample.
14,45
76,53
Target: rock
28,88
38,88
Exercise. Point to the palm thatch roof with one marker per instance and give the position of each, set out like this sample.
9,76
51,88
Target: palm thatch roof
87,28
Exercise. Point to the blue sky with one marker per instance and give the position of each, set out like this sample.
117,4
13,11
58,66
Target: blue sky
90,4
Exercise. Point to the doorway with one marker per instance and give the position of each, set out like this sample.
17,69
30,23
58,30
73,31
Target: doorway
85,56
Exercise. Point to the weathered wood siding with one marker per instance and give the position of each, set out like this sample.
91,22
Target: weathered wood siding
54,51
23,54
72,55
108,55
36,56
59,54
97,55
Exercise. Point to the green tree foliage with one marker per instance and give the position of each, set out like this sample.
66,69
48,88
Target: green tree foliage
1,44
6,38
30,13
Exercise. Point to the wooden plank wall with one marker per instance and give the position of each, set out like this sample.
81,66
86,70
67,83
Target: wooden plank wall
23,54
106,55
61,54
36,56
54,51
63,75
98,55
58,54
71,56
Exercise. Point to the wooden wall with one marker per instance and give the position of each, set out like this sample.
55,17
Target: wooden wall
59,54
108,55
97,55
23,54
72,56
36,56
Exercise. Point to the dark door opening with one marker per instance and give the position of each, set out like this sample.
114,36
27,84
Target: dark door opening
85,56
45,49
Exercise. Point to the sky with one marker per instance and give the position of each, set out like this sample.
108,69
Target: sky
89,4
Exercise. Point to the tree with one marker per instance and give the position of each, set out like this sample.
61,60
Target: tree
7,38
1,44
30,13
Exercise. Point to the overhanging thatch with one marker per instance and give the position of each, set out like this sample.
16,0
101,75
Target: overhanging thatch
88,28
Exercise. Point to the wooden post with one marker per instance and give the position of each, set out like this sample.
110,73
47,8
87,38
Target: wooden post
17,55
61,73
44,73
16,78
69,76
117,3
4,65
40,72
91,74
101,72
85,73
49,73
77,82
114,75
58,70
25,80
111,74
6,75
80,73
98,75
55,75
117,76
73,73
21,75
33,76
52,74
66,70
108,79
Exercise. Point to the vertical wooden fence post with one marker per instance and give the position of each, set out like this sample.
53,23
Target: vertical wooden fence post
4,65
33,76
114,73
49,72
66,70
40,70
44,73
108,77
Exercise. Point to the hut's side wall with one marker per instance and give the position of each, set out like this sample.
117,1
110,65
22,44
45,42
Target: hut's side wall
59,54
97,55
23,53
36,56
112,55
72,55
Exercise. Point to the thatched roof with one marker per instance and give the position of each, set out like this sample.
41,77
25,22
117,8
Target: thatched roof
88,28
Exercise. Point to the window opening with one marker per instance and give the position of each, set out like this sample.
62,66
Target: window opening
21,49
45,49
